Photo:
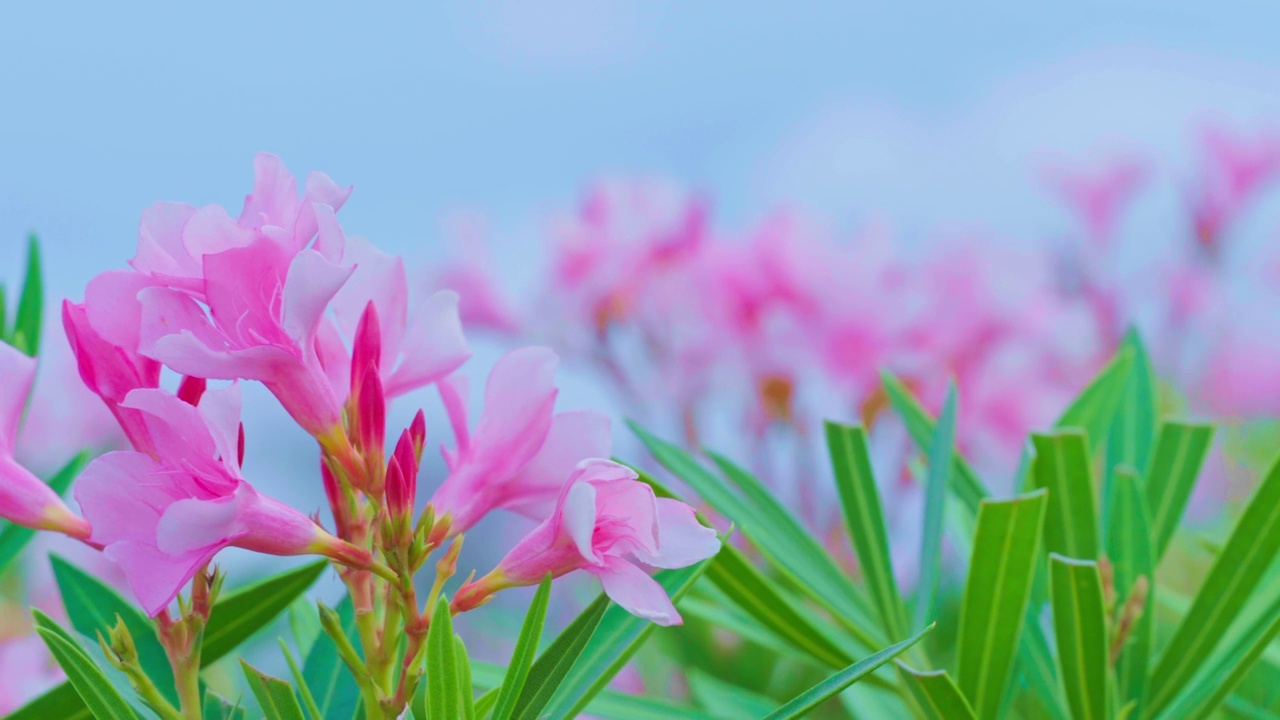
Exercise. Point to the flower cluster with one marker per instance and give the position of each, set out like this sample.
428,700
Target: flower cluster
281,296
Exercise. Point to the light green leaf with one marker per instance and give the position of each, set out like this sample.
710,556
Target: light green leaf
608,704
725,701
240,613
97,693
14,537
1005,549
522,656
308,699
864,519
275,696
936,694
217,708
1231,580
93,606
806,701
941,450
1062,467
551,667
26,325
1129,549
442,666
1094,408
466,691
335,691
1080,626
614,642
1133,429
778,536
1181,449
756,594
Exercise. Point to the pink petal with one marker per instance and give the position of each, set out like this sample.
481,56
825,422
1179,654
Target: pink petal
574,436
119,502
379,278
191,525
518,402
27,501
578,519
331,242
636,592
220,409
433,347
274,200
310,285
160,248
155,576
242,288
17,372
682,540
453,395
211,231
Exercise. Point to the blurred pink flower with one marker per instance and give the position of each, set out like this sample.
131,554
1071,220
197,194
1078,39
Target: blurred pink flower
1100,197
24,498
1235,169
521,451
603,516
27,670
162,517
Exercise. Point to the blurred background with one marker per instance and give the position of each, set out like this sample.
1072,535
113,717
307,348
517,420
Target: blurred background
475,129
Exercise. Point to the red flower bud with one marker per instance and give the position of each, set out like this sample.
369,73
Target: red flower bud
366,350
192,389
371,413
418,433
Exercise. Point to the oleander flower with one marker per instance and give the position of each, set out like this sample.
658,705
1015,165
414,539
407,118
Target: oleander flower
163,516
604,518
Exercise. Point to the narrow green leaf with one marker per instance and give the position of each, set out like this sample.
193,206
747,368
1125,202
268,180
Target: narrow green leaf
936,694
93,606
1094,408
484,706
304,623
26,325
217,708
522,656
555,662
724,700
466,691
241,613
335,691
864,519
90,683
614,642
1231,580
14,537
308,700
964,481
1062,467
275,696
1133,429
1129,549
1180,452
442,666
806,701
779,538
941,450
756,594
61,702
1005,549
1080,626
1214,682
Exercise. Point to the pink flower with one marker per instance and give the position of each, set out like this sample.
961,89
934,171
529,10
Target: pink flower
162,517
24,499
1235,170
521,451
604,516
1099,198
27,670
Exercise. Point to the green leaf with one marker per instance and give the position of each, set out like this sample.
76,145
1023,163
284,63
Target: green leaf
275,696
442,666
217,708
93,606
61,702
1181,449
1129,549
14,537
1094,408
26,325
725,701
936,694
608,704
756,594
239,614
964,481
90,683
780,539
308,699
1062,467
1080,626
522,656
806,701
1214,682
551,667
864,519
1225,590
1133,429
335,691
466,691
1006,547
614,642
941,450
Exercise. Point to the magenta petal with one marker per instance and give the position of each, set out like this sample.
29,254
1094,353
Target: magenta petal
636,592
154,576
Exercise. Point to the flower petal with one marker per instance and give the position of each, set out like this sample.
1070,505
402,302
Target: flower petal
636,592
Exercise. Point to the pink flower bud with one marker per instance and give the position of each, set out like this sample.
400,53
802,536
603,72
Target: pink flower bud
191,389
366,352
418,432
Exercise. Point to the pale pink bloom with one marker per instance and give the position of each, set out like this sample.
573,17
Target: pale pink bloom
481,302
1240,379
604,518
1235,170
27,671
1099,198
263,307
422,342
161,518
24,498
521,450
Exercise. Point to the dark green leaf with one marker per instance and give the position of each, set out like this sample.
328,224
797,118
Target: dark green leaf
217,708
937,694
1080,626
1133,429
1129,549
331,684
522,656
551,667
90,683
1062,467
725,701
442,666
1181,449
275,696
241,613
26,325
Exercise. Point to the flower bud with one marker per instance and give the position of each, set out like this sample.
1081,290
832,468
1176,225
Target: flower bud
418,433
366,349
371,414
192,389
